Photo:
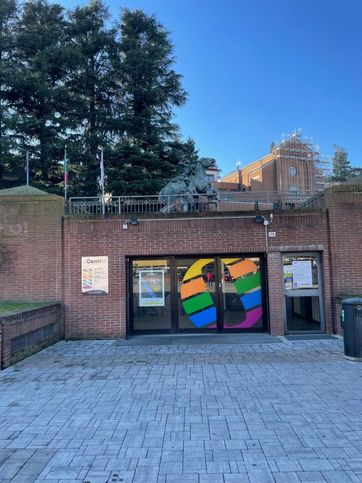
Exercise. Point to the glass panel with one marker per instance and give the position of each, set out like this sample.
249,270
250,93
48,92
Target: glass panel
300,272
196,293
242,294
151,295
303,313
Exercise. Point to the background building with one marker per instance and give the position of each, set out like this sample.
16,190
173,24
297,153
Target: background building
293,166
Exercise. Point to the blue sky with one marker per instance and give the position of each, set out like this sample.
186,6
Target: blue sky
255,69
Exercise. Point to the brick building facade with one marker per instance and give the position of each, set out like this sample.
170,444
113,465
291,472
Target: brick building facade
291,166
43,248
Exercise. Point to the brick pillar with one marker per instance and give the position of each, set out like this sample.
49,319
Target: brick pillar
276,293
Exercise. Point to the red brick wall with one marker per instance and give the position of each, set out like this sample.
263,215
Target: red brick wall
105,316
276,293
13,326
44,259
31,236
228,186
345,228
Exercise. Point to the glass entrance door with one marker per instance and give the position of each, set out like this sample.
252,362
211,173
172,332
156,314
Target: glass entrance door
151,295
191,294
303,292
242,305
197,280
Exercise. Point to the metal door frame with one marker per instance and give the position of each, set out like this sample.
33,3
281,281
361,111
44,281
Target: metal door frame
306,292
174,308
130,322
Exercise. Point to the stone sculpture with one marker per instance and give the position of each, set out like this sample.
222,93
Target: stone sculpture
190,189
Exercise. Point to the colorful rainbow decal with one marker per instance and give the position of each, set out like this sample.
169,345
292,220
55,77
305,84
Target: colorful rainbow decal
199,304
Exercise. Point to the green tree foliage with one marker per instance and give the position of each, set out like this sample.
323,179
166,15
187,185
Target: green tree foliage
7,20
73,79
148,149
342,169
37,91
94,85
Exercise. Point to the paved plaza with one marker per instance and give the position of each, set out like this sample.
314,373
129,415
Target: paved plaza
268,410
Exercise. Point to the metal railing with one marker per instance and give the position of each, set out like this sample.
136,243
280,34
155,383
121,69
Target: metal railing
30,339
222,202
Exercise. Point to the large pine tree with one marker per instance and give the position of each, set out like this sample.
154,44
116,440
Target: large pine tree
75,80
342,168
148,150
7,26
38,93
93,83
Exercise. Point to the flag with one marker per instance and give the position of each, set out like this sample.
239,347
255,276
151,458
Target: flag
101,179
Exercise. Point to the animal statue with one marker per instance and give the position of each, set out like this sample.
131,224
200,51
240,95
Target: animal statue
189,187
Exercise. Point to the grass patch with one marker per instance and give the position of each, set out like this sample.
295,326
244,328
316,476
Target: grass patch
10,308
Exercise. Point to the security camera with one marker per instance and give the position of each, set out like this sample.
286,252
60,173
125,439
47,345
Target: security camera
260,219
133,221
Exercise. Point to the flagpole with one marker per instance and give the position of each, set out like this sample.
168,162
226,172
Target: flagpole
65,173
27,168
102,180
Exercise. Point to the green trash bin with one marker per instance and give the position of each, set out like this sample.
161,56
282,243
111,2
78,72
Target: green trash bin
351,321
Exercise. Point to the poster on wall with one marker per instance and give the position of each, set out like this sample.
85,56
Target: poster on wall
288,276
302,274
151,288
95,275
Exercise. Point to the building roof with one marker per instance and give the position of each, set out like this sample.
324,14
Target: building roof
293,140
262,161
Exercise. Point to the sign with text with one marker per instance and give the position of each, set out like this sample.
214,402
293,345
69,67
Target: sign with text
302,274
95,275
151,288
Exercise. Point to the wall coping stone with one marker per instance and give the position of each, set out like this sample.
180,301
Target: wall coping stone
13,318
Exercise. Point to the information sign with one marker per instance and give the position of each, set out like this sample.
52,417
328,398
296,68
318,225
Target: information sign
302,274
95,275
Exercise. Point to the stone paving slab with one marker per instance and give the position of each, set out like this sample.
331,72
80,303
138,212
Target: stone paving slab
108,411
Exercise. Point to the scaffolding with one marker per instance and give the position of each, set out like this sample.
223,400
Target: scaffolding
301,168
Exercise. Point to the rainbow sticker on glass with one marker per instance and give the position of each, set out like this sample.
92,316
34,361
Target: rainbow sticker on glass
199,304
246,279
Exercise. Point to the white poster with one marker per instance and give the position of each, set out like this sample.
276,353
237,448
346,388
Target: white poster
95,275
151,288
302,274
